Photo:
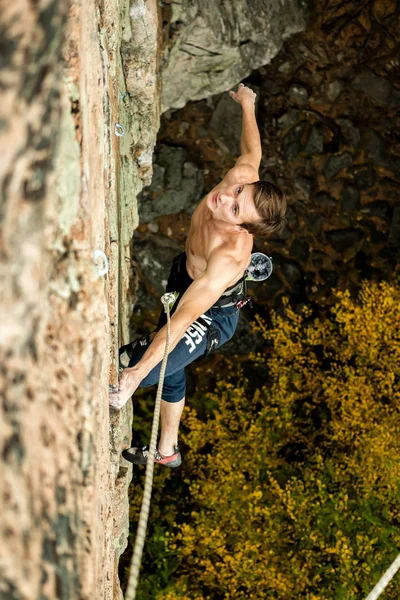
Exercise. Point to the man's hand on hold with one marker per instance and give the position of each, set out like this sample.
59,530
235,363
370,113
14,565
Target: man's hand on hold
244,95
128,384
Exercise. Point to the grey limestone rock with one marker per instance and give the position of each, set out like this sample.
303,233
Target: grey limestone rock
315,220
334,90
364,177
154,254
285,67
271,87
376,151
377,88
304,186
336,163
350,132
292,144
269,176
274,286
226,124
157,182
343,239
284,233
379,208
325,200
318,259
288,119
216,44
350,199
293,274
177,185
315,142
299,250
298,93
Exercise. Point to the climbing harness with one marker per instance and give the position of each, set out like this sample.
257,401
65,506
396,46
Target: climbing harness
259,269
119,130
101,270
168,300
385,579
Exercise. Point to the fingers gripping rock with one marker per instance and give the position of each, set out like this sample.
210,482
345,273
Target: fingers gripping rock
128,384
117,400
243,95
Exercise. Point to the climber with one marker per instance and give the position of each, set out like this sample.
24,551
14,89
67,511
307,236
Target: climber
208,277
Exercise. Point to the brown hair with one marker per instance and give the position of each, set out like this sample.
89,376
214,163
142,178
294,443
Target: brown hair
270,203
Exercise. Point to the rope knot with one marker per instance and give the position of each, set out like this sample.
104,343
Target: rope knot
168,299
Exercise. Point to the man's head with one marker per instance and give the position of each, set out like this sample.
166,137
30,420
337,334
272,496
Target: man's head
259,207
270,204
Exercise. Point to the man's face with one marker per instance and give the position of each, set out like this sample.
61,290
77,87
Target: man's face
234,204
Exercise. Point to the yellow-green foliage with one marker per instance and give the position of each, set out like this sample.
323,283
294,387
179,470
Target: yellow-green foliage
294,488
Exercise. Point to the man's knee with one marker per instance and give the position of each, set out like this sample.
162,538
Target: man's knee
174,400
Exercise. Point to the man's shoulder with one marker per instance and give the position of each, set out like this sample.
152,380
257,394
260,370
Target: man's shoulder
233,252
240,174
243,173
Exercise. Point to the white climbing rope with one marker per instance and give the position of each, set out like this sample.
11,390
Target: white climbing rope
385,579
167,300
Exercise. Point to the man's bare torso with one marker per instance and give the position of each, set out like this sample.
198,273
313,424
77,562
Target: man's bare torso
207,234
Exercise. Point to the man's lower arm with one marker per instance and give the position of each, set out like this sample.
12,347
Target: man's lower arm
250,142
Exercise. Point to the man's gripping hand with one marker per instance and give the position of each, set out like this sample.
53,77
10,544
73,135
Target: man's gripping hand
128,384
244,95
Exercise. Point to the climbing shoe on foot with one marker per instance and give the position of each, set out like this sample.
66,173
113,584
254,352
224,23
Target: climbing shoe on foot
139,456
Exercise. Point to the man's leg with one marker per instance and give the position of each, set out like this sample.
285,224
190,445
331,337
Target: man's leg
192,346
173,394
171,413
167,451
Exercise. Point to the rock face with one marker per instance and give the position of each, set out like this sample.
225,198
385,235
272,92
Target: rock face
226,124
177,185
68,186
212,45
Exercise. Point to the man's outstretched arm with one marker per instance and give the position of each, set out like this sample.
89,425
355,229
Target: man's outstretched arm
247,165
198,298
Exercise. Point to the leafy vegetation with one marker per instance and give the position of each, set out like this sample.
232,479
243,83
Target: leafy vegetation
290,490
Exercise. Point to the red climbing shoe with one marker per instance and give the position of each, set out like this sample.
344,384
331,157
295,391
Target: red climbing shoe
139,456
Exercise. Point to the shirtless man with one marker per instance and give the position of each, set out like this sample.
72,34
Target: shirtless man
208,277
